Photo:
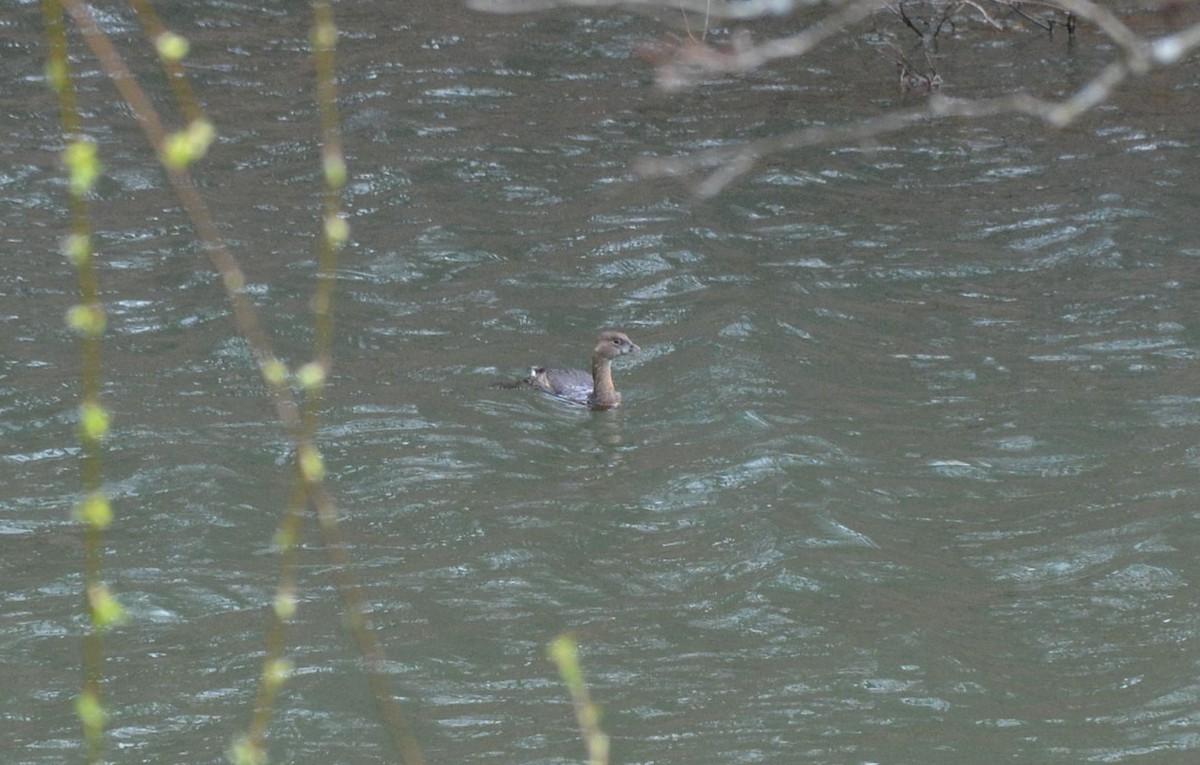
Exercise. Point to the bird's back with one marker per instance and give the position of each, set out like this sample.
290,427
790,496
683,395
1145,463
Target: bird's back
571,384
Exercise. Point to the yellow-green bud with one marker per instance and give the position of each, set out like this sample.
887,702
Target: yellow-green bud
245,752
87,319
76,248
106,611
56,74
323,36
312,467
276,672
285,605
171,47
565,655
93,421
274,372
90,711
177,151
184,147
95,511
311,376
285,538
334,165
201,133
83,167
337,230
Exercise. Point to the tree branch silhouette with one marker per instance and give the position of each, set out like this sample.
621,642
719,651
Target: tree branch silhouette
685,64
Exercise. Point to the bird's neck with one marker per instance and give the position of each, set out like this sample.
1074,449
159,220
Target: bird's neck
604,393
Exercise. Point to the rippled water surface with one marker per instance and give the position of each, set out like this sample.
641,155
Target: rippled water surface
906,470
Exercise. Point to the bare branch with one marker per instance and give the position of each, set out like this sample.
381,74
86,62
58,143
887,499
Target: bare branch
743,9
689,64
986,17
1131,43
1018,8
911,77
1168,50
683,66
907,21
733,162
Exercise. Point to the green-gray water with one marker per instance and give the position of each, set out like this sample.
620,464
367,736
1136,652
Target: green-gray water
906,471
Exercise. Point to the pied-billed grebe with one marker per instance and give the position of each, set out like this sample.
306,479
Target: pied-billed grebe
593,390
